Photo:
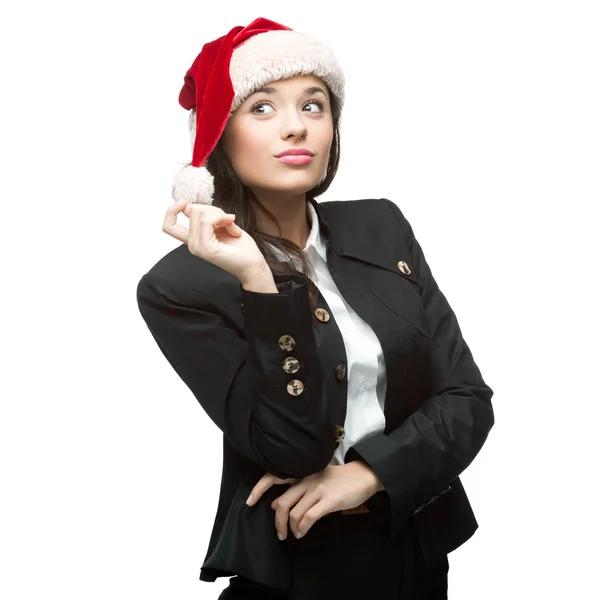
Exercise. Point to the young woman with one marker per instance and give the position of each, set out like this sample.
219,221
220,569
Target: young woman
315,337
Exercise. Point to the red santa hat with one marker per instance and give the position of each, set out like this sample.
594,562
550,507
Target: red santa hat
227,71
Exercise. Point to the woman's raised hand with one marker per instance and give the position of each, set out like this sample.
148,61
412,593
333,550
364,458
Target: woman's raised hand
214,237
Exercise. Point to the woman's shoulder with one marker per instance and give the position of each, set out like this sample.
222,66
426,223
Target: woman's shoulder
364,212
374,206
184,277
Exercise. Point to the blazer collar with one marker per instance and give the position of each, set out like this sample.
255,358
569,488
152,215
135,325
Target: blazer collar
341,225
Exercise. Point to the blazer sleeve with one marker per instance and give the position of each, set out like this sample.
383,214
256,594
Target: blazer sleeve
238,377
419,459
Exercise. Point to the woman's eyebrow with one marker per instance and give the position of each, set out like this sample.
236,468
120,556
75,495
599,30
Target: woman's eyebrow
307,92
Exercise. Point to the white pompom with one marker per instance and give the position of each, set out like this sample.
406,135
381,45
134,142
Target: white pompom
194,184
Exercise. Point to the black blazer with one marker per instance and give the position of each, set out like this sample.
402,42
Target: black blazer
226,344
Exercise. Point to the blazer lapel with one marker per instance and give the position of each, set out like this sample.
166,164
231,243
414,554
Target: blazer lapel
372,269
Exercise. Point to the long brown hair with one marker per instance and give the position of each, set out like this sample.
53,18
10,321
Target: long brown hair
235,197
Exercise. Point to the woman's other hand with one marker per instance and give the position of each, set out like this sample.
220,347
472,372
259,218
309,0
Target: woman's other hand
214,237
337,487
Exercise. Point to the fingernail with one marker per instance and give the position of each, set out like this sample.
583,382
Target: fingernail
280,536
298,535
250,498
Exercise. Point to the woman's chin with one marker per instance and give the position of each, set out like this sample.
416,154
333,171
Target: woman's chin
288,186
291,189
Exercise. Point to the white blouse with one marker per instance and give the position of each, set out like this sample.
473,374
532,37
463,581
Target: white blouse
365,367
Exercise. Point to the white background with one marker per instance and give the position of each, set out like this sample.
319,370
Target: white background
479,119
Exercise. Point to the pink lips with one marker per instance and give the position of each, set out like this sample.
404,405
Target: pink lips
297,159
296,156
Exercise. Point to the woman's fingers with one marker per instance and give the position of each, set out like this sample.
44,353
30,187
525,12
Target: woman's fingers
203,222
282,507
307,511
170,224
200,237
263,484
233,229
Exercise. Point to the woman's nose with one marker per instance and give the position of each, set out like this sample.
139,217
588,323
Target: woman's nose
295,126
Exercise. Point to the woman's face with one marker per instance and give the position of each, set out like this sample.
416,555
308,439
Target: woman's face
286,114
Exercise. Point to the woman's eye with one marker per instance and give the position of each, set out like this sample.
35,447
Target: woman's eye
261,105
264,105
316,103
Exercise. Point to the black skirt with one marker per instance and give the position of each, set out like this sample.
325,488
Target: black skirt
356,560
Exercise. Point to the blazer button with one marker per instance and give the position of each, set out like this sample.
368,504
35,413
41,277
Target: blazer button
322,315
403,267
340,371
295,387
287,343
339,433
291,364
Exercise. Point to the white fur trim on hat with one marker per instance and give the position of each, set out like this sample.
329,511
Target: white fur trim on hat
276,55
194,184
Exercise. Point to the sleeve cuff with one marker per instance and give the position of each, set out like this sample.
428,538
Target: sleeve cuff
270,315
379,503
380,506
